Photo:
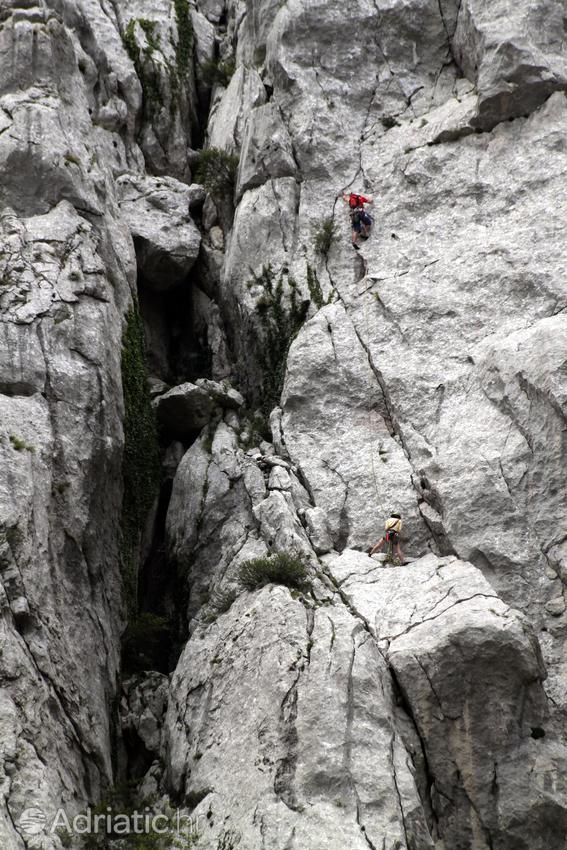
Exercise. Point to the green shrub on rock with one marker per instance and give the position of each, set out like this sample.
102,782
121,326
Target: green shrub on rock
325,236
218,71
280,568
216,171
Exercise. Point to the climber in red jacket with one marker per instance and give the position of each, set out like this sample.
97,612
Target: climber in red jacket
361,221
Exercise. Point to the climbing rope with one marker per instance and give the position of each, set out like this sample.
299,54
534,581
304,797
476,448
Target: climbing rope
371,380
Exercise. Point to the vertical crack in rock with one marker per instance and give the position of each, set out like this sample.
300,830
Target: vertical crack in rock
347,754
405,705
396,786
285,773
344,520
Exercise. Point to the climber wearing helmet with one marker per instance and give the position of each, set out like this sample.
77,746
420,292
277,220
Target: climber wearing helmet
392,529
361,221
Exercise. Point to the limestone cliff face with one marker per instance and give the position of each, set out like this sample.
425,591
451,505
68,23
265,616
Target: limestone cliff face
302,391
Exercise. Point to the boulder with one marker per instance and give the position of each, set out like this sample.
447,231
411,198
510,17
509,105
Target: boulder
167,240
184,409
189,407
471,675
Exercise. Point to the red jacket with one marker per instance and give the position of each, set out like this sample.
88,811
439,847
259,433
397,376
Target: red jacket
355,201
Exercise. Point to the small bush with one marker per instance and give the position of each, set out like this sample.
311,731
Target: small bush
216,171
281,568
280,325
314,288
217,71
389,121
325,236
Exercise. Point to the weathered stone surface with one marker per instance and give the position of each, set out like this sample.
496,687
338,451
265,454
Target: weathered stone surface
471,674
288,768
318,530
267,152
222,394
230,112
512,54
66,267
221,498
393,708
163,63
339,436
189,407
166,239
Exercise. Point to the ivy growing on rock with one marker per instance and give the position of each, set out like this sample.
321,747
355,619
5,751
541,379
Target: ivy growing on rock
148,77
147,71
140,464
184,46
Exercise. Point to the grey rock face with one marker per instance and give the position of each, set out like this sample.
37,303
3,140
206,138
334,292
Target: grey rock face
461,658
143,705
184,409
161,60
218,486
67,263
341,434
266,150
287,765
229,114
513,55
396,708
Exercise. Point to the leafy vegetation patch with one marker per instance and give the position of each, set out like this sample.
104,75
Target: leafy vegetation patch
280,568
325,236
280,325
147,76
216,171
184,46
20,445
140,464
122,804
314,287
218,71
